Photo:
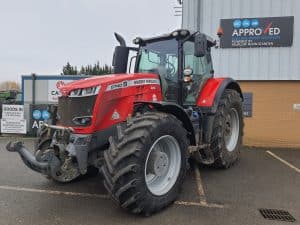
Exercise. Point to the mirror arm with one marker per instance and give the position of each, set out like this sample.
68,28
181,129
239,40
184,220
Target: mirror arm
189,36
133,49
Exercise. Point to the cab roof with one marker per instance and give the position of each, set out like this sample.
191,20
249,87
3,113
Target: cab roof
179,33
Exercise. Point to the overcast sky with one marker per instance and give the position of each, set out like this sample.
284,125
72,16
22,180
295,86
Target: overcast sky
40,36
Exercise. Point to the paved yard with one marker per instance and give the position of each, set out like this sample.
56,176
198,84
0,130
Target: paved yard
263,178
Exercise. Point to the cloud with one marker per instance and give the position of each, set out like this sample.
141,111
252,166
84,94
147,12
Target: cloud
41,36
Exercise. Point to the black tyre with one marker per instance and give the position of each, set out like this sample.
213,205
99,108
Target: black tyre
146,163
227,130
44,139
42,143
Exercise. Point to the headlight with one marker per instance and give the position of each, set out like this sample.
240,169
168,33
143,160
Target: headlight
83,92
75,93
184,32
175,33
82,120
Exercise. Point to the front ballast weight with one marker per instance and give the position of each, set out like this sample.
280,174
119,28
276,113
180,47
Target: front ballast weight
59,154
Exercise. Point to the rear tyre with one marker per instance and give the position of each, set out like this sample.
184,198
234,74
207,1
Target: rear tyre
146,163
227,130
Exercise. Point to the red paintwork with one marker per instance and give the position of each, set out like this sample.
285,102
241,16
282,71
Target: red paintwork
119,100
122,100
208,93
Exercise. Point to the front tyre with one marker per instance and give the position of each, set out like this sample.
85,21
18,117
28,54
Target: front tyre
227,130
42,144
146,163
67,172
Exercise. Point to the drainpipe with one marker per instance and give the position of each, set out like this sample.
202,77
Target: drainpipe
198,4
33,88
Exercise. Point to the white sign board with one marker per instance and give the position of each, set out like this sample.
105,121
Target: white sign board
13,112
13,126
12,121
53,89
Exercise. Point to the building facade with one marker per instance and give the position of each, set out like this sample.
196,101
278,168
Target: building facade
39,93
259,47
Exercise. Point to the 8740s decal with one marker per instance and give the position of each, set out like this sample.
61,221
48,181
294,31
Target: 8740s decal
130,83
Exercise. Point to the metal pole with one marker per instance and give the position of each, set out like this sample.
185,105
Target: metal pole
198,6
182,4
33,88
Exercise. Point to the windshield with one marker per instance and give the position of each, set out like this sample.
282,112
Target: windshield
161,57
159,54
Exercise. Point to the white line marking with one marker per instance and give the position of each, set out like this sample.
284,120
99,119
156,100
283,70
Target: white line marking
53,192
200,204
203,202
79,194
283,161
200,186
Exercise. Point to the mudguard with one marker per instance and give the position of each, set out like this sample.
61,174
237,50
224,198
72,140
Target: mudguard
212,91
177,111
209,99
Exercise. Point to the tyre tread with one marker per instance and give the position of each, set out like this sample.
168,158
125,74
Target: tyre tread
121,165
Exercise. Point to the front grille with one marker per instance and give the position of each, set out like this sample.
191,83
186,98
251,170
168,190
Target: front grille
71,107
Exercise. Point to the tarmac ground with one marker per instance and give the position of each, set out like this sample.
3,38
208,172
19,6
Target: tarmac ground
263,178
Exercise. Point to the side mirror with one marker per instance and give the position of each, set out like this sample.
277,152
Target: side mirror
120,59
200,45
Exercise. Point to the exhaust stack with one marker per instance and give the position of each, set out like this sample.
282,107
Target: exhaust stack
120,39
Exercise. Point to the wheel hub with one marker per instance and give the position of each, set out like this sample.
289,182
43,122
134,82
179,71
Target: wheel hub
159,163
162,165
231,129
228,125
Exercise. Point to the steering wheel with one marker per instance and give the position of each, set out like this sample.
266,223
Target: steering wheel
171,70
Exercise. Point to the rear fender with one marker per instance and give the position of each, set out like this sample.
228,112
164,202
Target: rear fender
212,91
209,99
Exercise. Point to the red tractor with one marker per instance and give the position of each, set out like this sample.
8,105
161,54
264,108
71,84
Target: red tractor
140,129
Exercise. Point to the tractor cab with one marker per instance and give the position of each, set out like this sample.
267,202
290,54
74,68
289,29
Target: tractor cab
181,59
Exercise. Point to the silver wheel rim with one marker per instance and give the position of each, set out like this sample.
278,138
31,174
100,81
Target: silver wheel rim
162,165
232,129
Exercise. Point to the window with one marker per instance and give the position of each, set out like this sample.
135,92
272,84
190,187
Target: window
161,57
149,60
159,54
202,70
198,64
